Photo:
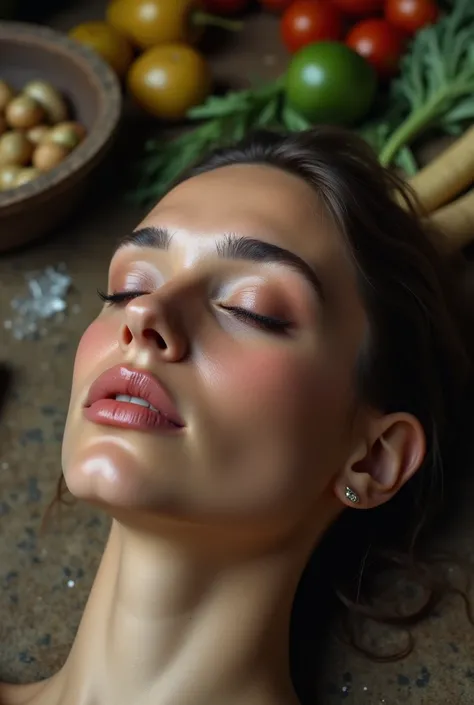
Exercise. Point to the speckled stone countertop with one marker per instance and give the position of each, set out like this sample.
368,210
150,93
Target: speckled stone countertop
45,579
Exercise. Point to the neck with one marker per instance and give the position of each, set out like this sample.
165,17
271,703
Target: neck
162,625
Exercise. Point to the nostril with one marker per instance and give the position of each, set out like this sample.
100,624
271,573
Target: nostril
153,335
127,335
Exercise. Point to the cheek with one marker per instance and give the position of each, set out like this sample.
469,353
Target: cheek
98,341
271,385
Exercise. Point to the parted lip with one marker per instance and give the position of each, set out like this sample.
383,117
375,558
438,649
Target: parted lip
134,383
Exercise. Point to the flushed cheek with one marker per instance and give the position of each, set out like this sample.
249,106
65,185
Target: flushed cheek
97,343
263,384
275,416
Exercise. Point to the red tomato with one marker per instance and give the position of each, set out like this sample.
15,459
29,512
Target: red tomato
411,15
275,5
359,8
378,42
308,21
225,7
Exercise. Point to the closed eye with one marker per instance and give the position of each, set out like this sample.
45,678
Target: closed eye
269,323
274,325
119,297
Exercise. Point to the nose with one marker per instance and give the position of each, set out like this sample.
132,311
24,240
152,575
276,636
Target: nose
151,323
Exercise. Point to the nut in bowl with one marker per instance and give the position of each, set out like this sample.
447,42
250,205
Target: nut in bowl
35,133
60,107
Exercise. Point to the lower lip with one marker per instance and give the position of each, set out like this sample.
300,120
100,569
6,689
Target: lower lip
122,414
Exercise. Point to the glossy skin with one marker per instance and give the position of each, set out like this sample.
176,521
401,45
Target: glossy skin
214,525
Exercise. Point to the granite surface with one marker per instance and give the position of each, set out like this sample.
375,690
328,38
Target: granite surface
45,578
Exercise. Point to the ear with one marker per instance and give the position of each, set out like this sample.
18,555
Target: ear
383,462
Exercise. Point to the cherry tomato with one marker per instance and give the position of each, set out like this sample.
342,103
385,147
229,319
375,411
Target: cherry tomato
308,21
359,8
328,82
411,15
379,42
275,5
169,79
225,7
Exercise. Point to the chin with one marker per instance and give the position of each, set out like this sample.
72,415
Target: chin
108,467
102,484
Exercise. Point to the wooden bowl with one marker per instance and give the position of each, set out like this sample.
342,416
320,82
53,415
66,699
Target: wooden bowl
91,89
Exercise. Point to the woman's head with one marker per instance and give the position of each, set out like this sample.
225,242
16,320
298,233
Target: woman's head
297,316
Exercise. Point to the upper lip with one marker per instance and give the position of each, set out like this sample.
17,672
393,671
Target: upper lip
134,383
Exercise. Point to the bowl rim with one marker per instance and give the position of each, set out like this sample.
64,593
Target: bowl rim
110,110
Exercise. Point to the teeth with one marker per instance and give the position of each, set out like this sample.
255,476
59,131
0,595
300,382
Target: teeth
134,400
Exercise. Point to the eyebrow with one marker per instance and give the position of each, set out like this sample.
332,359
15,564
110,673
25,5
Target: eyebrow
235,247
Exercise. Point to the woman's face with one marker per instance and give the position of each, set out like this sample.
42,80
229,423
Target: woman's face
243,306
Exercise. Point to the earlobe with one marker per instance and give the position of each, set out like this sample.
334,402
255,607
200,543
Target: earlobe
351,488
378,469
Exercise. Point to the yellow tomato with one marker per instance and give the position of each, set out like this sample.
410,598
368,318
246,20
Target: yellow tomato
170,79
107,42
147,23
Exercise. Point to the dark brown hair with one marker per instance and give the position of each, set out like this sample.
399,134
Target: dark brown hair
415,358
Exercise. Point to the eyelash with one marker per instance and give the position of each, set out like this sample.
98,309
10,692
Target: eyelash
119,297
274,325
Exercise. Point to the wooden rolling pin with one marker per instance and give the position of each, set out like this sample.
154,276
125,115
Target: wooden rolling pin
441,181
449,174
455,223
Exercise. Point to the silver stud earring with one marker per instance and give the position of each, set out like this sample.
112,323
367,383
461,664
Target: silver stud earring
352,496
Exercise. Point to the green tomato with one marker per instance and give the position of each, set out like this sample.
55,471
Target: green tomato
327,82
